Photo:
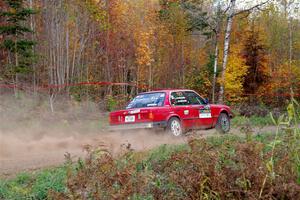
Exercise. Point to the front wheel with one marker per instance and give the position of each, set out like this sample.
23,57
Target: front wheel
223,123
174,127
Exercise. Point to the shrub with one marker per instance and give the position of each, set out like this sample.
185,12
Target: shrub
116,102
248,111
225,168
111,103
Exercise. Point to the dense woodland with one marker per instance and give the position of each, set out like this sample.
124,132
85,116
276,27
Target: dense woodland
244,51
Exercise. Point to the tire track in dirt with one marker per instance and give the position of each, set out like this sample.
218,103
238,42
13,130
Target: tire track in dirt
32,152
27,153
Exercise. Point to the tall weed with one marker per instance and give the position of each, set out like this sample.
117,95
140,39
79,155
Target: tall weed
220,168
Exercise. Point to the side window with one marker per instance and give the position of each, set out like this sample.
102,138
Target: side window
178,99
160,100
194,99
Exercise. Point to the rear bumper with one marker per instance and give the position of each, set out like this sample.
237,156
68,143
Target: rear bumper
147,125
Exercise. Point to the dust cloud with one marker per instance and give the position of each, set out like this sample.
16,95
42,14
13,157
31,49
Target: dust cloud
32,137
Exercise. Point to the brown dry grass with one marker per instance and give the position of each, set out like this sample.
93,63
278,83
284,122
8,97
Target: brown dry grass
232,170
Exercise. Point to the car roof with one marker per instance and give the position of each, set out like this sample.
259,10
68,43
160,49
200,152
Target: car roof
167,90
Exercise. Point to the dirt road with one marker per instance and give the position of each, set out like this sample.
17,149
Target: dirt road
31,137
31,152
27,152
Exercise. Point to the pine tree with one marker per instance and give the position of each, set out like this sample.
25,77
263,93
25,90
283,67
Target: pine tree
13,31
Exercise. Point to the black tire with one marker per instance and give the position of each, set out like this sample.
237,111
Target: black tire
174,127
223,123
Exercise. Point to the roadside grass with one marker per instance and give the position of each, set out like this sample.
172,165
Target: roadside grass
257,121
223,167
34,185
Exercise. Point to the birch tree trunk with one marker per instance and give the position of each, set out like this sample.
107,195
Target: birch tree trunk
216,45
215,66
226,47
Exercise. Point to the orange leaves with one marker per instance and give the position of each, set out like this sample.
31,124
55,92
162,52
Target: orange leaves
143,51
118,13
284,78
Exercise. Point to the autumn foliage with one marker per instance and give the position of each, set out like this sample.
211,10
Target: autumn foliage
158,44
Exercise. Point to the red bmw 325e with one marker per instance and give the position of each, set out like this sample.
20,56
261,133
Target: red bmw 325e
176,111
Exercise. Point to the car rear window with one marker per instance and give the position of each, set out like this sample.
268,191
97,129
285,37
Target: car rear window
148,100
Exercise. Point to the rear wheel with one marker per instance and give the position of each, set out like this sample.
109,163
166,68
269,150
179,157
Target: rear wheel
223,123
174,127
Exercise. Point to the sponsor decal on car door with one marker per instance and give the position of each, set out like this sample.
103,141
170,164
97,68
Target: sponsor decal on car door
205,116
205,112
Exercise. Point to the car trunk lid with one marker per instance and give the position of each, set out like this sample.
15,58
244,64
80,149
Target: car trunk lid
137,115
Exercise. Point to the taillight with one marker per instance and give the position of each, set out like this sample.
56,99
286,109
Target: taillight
151,116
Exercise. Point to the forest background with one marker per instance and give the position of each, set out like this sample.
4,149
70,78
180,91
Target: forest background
231,51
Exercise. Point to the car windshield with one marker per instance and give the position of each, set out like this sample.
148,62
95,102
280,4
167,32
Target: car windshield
147,100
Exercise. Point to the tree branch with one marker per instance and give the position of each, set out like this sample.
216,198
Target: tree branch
252,8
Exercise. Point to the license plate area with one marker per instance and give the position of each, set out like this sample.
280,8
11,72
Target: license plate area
129,118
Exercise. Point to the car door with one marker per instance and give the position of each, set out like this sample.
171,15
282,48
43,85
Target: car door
180,106
200,110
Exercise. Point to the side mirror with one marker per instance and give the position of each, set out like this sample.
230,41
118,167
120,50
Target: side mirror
206,101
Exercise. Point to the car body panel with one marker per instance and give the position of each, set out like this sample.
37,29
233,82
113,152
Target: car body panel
198,116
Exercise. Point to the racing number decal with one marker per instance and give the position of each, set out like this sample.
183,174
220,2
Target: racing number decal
205,112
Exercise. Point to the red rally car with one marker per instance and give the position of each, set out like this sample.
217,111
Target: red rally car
177,111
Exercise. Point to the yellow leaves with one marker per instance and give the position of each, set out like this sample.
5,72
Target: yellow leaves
296,46
119,13
12,10
97,10
235,75
143,26
143,50
198,79
96,1
144,38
